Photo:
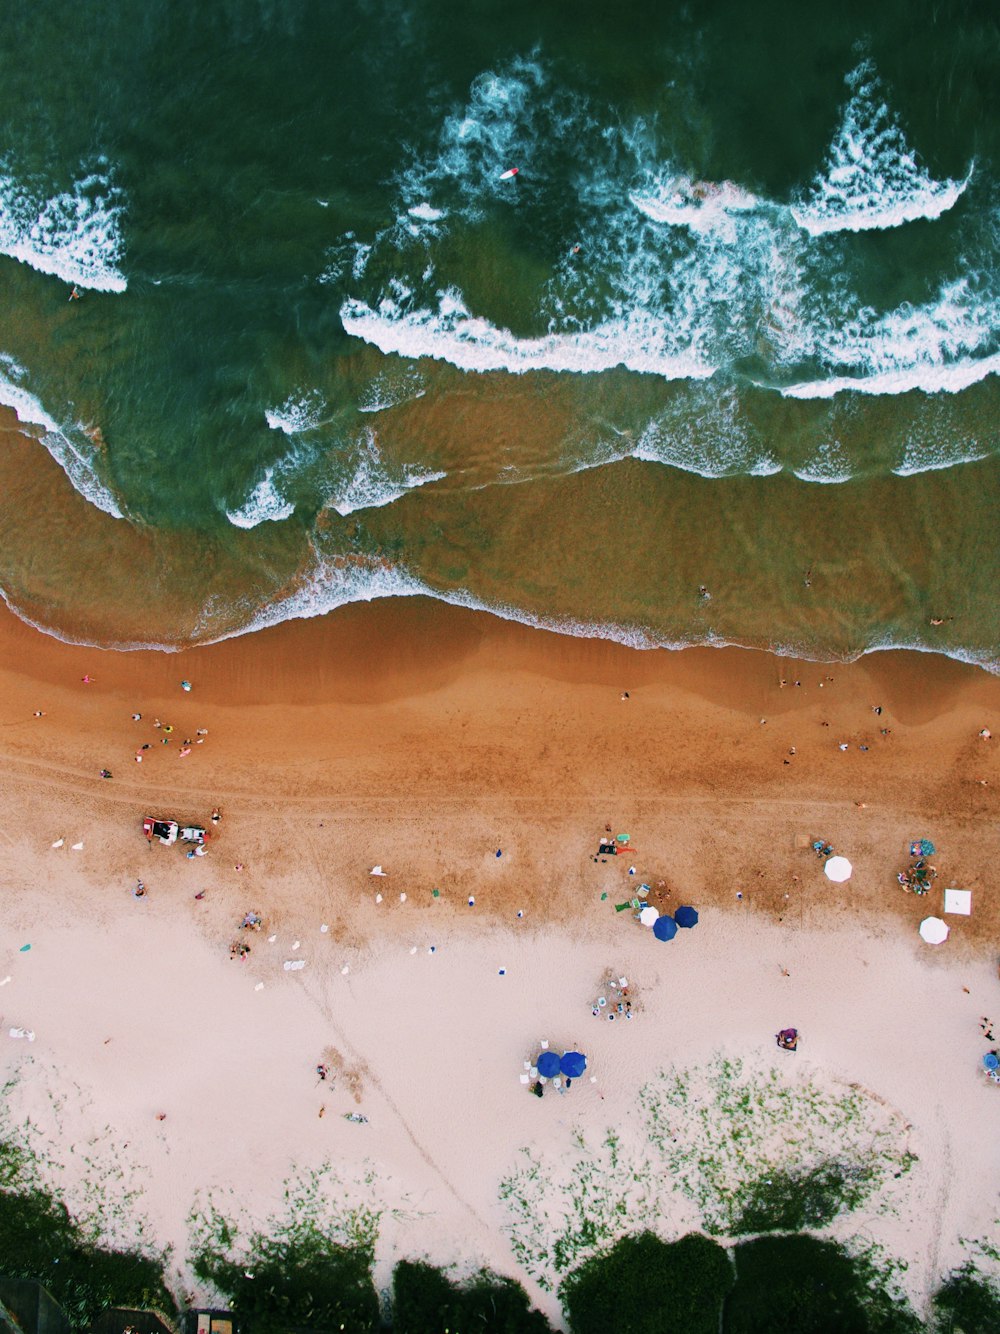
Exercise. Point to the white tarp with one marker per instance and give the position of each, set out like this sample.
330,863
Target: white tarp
958,901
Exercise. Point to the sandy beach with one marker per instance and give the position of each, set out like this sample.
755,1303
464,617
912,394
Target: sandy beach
426,740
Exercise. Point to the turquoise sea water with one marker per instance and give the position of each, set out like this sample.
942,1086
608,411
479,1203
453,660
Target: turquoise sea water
733,325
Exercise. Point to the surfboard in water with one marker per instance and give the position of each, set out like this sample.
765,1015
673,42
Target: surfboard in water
509,175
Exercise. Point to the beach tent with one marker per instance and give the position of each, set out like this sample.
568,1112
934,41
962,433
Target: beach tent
686,916
664,928
933,930
838,869
573,1064
548,1064
648,915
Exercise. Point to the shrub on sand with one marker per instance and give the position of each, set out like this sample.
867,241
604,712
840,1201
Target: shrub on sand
647,1286
425,1302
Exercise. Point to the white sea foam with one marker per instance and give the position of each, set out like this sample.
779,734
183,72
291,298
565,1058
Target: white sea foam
333,582
872,178
702,206
372,483
930,379
74,234
390,388
943,346
426,213
829,464
299,412
68,445
263,505
923,455
704,433
498,127
451,333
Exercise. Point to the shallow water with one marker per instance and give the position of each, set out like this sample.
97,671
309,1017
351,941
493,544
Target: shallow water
733,325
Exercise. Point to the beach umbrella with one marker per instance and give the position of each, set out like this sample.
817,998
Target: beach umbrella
664,928
648,915
933,930
548,1064
573,1064
686,916
991,1060
838,868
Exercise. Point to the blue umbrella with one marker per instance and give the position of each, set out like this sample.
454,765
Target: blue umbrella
664,928
686,916
548,1064
991,1060
573,1064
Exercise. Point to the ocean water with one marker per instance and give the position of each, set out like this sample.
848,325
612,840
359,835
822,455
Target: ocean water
734,325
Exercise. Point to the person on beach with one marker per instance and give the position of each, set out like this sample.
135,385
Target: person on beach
216,815
105,773
787,1039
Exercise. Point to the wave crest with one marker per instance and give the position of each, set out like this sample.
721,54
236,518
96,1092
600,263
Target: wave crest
872,178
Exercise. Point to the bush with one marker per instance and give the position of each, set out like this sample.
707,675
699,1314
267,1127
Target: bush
296,1287
425,1302
647,1286
812,1287
967,1304
39,1240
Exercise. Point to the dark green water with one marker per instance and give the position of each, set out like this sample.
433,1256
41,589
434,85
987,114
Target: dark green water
733,325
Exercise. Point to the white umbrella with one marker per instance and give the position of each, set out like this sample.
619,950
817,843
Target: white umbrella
648,915
933,930
838,868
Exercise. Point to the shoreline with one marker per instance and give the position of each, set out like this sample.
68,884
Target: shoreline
505,737
39,480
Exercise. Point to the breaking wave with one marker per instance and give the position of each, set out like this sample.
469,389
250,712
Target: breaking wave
373,483
68,445
264,504
872,178
74,234
299,412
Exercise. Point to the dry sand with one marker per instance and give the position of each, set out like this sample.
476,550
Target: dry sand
426,739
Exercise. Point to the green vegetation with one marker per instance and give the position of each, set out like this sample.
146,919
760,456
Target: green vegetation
967,1303
309,1266
794,1201
425,1302
647,1286
733,1151
812,1287
39,1240
771,1150
282,1286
